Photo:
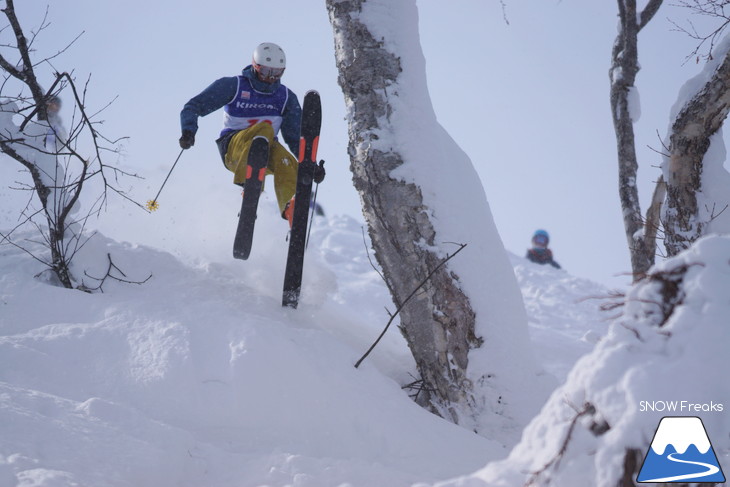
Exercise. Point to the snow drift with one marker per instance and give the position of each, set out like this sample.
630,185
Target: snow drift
199,377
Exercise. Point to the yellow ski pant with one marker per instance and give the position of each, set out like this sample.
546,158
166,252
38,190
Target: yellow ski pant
282,164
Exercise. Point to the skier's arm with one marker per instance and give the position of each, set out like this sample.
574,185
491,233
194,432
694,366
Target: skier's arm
215,96
291,125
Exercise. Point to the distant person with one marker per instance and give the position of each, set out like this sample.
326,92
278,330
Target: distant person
56,135
540,253
61,189
255,103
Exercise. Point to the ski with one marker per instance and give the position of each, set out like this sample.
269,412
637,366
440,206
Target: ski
258,159
308,141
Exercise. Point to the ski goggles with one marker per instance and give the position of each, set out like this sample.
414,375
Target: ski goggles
540,240
267,73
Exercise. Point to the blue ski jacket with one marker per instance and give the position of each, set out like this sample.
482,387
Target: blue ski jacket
224,90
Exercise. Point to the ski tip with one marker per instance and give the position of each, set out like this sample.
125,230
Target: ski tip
312,100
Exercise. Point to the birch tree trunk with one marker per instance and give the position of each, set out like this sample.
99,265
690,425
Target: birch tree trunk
438,323
624,67
685,220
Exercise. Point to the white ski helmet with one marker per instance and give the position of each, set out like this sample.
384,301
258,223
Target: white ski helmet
269,62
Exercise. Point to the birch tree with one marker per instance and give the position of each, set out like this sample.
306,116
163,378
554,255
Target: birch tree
689,211
640,232
674,205
403,162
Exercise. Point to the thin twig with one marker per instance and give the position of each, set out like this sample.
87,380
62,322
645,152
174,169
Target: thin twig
588,408
111,267
400,307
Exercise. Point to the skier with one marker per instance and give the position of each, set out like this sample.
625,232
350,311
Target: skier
540,253
255,103
61,189
56,135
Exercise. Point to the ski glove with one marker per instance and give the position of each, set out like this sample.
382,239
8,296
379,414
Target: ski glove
187,140
319,173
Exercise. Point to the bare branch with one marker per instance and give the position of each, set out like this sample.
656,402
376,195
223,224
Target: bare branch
588,409
110,275
649,11
6,238
34,171
26,74
716,9
400,307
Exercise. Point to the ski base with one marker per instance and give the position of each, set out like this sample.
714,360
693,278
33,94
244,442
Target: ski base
258,158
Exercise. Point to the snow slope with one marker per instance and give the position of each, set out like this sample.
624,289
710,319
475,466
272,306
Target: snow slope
199,377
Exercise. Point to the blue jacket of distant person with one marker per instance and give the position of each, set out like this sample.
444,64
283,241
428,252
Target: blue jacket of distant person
245,99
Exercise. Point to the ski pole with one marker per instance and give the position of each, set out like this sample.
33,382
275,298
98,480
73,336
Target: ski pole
314,209
152,204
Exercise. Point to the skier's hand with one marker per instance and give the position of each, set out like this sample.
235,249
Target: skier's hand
319,173
187,140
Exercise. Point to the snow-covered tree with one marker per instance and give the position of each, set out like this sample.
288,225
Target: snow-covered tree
684,206
698,187
662,357
422,198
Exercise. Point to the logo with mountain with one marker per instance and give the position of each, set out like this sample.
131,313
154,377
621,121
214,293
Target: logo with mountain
681,452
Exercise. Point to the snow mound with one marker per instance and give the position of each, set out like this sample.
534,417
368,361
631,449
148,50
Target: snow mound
197,378
672,354
200,377
563,313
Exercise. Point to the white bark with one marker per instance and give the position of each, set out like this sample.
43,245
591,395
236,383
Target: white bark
467,327
685,219
438,322
624,67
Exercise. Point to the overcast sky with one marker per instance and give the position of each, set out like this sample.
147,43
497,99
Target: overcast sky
526,97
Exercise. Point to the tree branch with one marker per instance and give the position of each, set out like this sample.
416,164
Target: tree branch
108,275
588,409
27,75
649,11
413,293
